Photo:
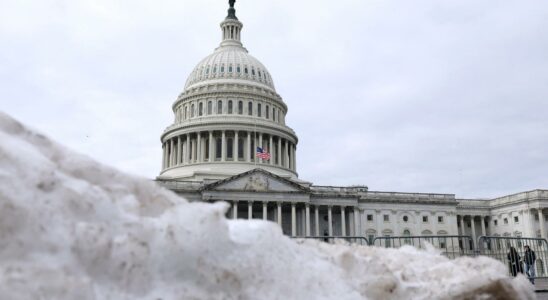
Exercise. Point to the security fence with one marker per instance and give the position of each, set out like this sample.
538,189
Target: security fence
452,246
511,252
332,239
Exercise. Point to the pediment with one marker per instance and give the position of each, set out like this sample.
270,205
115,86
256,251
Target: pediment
256,180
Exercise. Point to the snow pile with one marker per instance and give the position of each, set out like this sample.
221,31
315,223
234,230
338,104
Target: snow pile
71,228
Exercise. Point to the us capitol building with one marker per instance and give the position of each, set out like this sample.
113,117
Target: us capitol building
229,107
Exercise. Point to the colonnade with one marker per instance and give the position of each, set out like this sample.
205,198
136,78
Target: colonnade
472,218
308,215
227,145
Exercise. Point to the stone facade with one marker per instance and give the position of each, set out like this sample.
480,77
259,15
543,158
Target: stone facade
229,107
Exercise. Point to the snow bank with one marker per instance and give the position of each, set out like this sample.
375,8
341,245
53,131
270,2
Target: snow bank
71,228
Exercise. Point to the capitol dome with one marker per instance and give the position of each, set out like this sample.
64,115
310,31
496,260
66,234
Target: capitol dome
229,118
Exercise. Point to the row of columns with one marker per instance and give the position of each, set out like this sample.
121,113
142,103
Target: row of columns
472,226
195,148
354,225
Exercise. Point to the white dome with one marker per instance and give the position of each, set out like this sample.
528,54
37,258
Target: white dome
230,62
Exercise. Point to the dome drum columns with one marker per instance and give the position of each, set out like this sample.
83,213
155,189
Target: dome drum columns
228,146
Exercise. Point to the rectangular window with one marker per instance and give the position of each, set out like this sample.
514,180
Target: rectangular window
250,108
218,148
505,221
516,219
229,146
369,217
267,112
240,107
425,219
495,222
386,218
240,148
440,219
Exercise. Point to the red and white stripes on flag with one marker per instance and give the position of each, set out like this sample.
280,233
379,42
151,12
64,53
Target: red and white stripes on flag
262,153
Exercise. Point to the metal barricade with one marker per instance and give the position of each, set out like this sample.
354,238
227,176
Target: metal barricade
360,240
500,248
452,246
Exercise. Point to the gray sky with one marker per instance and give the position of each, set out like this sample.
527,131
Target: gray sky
409,96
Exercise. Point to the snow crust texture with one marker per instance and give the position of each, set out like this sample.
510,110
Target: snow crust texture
71,228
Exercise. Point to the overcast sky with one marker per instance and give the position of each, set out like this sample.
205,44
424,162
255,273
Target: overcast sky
408,96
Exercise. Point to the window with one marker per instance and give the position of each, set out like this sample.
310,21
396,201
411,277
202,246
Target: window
536,217
230,106
200,109
185,113
240,107
238,69
192,111
267,112
505,221
209,107
250,108
406,234
219,107
386,218
370,218
425,219
229,68
253,71
405,218
516,219
215,69
273,114
229,148
240,148
440,219
495,222
222,68
259,110
218,148
245,70
207,70
206,154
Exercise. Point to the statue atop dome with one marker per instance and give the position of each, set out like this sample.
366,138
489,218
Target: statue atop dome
231,10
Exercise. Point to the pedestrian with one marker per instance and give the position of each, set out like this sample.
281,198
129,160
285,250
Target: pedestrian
529,258
514,260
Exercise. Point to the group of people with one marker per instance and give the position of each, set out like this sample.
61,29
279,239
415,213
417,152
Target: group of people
516,263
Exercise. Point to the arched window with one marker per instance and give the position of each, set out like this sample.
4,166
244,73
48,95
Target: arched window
222,68
230,106
250,108
229,68
240,107
238,69
185,112
259,114
229,148
218,148
209,108
219,107
273,114
253,71
200,109
192,111
279,120
245,70
215,69
405,219
267,112
406,234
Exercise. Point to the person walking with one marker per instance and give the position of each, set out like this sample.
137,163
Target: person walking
529,258
514,260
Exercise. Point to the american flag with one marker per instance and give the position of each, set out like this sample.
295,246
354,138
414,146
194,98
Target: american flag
262,153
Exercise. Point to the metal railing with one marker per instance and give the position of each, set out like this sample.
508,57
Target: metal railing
499,248
360,240
452,246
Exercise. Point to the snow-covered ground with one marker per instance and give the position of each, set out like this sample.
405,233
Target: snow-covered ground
71,228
